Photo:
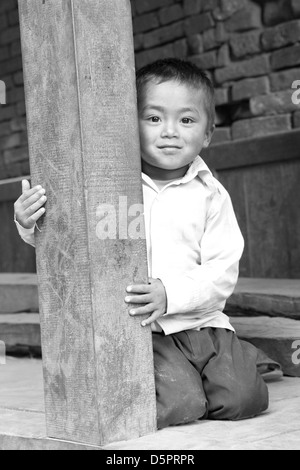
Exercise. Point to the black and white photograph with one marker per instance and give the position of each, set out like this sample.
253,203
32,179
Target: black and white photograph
150,227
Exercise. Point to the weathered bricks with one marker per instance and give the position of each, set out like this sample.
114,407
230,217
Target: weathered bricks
145,57
143,6
245,19
242,45
194,7
9,35
283,79
195,43
226,8
170,14
277,11
248,68
296,119
281,35
7,5
180,48
206,60
250,49
221,96
287,57
214,37
3,21
295,5
198,23
247,88
163,35
273,103
145,22
16,155
261,126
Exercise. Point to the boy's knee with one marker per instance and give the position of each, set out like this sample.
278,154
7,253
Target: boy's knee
240,402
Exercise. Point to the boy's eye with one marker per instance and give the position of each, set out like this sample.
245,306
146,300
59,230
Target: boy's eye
154,119
187,120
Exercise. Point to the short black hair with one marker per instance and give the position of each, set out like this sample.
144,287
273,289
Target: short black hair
182,71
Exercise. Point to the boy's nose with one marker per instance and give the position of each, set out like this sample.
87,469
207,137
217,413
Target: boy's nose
170,130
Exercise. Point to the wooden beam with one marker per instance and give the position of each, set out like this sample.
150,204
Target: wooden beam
255,151
84,149
10,189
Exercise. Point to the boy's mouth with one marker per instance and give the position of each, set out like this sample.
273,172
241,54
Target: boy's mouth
162,147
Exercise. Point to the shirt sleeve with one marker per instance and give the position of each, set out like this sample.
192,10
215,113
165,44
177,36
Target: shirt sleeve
207,287
27,234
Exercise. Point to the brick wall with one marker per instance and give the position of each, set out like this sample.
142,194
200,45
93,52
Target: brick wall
13,135
250,49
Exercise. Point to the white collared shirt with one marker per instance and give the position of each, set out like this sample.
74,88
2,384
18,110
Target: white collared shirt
194,246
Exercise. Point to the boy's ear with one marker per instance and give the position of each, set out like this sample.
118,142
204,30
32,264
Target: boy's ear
208,136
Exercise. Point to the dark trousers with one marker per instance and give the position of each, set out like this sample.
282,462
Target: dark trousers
208,374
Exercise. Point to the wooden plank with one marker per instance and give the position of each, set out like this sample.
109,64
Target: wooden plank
265,199
268,223
284,146
84,149
275,297
279,338
233,181
11,189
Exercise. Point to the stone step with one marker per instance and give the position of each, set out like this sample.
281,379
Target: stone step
278,337
18,293
274,297
20,332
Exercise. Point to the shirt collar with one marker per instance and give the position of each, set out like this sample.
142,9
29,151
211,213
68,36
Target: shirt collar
197,168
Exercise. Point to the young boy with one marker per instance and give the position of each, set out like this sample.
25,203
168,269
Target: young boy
194,245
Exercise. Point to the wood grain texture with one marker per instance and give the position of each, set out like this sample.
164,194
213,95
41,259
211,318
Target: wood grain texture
84,149
255,151
263,182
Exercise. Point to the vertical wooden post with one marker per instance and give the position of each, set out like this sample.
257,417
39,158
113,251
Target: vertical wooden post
84,149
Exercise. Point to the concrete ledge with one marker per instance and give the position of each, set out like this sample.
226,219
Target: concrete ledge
279,338
21,333
22,421
18,293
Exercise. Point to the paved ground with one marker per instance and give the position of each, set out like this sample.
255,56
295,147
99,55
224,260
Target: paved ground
22,420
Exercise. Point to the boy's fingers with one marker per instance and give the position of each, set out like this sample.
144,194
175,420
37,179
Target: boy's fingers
25,185
32,208
139,289
31,196
138,299
155,315
141,310
34,217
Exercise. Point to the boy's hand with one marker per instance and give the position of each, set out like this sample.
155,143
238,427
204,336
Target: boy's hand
28,208
154,297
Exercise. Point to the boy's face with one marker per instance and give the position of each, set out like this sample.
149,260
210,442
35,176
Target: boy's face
173,127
